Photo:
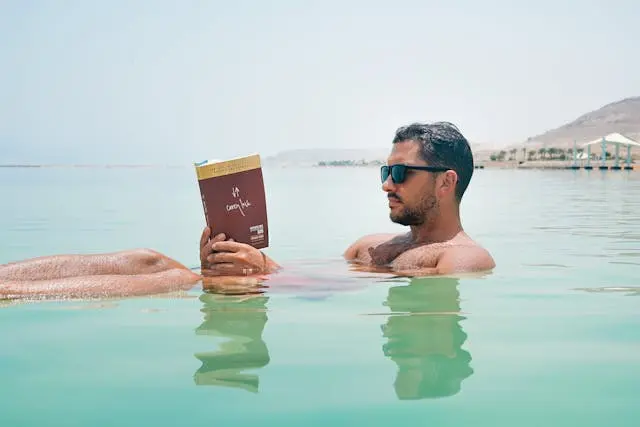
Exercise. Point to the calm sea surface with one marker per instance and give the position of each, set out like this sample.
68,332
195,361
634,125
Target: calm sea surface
551,338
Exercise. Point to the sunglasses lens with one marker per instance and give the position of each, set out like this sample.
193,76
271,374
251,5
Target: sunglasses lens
384,173
398,173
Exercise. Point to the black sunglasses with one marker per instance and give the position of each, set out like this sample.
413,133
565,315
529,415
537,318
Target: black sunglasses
399,172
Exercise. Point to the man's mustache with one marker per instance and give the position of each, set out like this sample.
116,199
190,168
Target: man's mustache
394,196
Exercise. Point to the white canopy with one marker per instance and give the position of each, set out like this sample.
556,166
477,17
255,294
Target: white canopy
614,138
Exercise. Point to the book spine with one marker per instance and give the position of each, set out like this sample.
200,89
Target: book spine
204,206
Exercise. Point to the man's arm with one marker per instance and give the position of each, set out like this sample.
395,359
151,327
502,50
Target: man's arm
465,259
454,260
352,251
101,286
139,261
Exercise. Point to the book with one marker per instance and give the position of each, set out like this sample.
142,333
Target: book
233,198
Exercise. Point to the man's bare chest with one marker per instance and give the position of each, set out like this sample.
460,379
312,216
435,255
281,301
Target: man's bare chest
400,255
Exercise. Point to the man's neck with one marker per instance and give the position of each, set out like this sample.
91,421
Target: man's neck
441,229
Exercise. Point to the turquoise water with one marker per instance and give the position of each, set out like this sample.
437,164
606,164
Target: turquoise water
552,337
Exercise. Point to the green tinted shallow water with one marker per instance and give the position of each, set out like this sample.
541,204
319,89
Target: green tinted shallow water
552,337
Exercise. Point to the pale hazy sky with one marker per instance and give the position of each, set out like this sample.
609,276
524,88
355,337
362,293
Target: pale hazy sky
178,81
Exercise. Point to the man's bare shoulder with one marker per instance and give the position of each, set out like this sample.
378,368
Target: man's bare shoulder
366,242
465,258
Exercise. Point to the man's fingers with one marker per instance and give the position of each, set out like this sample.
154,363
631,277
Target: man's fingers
219,238
228,246
205,243
207,248
204,238
206,235
222,257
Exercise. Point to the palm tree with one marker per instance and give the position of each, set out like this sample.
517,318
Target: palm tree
542,152
562,154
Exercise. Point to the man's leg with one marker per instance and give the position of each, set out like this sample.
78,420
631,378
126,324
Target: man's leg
101,286
132,262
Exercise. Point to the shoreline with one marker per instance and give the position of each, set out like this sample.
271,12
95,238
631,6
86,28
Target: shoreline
550,164
558,164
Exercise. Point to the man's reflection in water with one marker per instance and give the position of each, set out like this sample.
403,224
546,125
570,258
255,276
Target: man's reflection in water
425,338
240,321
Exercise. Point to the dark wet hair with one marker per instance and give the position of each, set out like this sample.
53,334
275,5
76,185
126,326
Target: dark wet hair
443,145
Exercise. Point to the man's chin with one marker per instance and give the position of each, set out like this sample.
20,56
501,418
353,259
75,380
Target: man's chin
403,219
399,219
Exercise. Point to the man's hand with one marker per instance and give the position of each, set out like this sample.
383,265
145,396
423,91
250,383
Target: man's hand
205,246
233,258
221,257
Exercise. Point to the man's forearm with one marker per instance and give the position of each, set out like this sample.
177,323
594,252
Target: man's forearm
101,286
139,261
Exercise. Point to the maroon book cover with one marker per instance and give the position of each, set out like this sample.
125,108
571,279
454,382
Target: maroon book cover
233,198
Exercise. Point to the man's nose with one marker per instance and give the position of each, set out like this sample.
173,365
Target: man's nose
388,185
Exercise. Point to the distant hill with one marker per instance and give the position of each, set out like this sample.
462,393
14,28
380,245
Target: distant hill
312,156
621,116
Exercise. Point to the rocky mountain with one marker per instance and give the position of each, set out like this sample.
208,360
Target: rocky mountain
621,116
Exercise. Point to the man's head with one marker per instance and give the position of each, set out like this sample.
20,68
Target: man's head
421,195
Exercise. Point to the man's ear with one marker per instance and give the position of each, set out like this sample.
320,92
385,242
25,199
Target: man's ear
448,181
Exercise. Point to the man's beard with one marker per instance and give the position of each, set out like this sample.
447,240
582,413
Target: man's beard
418,215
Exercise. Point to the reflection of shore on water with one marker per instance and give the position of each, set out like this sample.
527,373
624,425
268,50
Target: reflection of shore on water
425,338
240,321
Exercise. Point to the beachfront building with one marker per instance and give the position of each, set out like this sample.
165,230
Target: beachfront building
615,139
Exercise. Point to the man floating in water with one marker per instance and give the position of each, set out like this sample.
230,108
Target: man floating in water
427,173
